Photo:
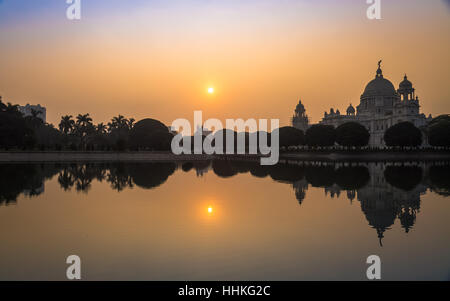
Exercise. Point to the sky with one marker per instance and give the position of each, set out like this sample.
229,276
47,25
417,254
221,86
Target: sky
158,58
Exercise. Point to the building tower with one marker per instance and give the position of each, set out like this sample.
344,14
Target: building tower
406,90
300,119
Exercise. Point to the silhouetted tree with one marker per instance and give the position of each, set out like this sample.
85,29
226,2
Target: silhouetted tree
150,134
47,137
321,135
352,134
440,180
439,131
290,136
403,134
83,128
188,166
224,168
101,129
352,178
258,170
403,177
14,130
119,177
286,173
320,176
67,124
151,175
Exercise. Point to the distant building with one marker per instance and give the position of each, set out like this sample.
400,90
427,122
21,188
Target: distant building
300,119
381,106
28,110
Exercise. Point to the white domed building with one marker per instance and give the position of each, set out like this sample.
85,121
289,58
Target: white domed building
381,106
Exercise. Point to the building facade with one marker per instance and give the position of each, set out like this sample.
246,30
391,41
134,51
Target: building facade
29,110
382,106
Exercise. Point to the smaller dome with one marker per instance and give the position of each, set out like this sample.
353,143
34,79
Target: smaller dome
351,110
405,84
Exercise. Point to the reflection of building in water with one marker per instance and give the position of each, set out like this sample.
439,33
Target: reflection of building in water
202,167
300,188
202,171
34,191
334,191
351,195
382,203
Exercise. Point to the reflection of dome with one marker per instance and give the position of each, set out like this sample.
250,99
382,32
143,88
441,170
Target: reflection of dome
381,216
405,84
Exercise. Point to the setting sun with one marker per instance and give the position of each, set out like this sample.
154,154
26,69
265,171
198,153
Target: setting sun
211,90
210,209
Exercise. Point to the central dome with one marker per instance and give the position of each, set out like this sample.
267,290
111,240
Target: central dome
379,87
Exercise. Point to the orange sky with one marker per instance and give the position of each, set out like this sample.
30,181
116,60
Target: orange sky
261,57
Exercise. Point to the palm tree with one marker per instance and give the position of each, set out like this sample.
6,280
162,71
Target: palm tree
131,123
12,109
101,128
84,120
118,123
2,105
67,124
84,127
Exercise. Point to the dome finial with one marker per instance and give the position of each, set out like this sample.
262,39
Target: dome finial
379,71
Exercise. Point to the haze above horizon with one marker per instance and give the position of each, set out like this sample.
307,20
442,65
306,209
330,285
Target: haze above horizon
160,59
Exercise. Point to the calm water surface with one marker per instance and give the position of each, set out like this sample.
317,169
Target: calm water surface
224,221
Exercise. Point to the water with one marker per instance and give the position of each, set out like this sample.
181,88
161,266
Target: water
224,221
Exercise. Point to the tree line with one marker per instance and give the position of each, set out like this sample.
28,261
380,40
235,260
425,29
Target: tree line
355,135
81,134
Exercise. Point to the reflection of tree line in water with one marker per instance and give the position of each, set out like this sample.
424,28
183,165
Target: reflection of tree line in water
385,192
18,178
